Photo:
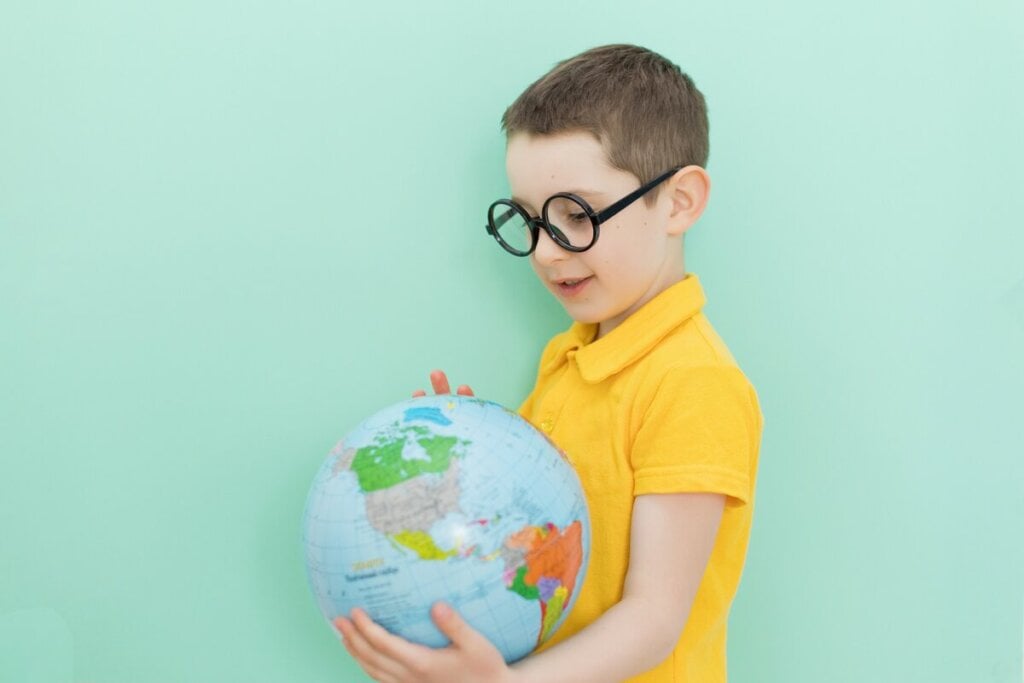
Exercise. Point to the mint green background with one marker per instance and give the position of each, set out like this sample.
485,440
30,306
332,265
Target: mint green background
230,230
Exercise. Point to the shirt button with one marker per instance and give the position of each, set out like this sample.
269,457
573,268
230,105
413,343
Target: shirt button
547,425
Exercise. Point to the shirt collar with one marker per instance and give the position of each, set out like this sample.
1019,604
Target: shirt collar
634,337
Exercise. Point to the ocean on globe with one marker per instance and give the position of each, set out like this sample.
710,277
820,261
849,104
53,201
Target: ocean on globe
449,498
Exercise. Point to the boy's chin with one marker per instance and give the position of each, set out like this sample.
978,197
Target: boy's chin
582,314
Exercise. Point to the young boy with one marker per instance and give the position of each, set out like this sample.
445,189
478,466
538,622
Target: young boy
605,159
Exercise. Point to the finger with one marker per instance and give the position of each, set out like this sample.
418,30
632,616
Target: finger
356,654
440,382
418,393
372,671
464,391
379,666
455,627
398,650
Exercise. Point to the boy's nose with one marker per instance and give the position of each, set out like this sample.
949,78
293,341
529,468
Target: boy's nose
547,250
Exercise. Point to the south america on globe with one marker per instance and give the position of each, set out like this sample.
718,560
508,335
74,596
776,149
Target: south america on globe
449,498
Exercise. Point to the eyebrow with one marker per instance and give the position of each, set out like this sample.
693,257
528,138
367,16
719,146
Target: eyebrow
581,193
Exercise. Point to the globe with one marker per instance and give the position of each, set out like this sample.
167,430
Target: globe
449,498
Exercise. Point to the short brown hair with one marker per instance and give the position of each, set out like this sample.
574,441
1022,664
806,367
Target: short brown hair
645,111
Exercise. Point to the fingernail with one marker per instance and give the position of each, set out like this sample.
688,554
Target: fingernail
443,610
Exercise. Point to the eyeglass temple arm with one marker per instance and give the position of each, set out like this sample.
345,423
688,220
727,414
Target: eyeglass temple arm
633,196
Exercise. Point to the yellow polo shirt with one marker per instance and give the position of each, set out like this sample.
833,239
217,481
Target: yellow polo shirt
658,405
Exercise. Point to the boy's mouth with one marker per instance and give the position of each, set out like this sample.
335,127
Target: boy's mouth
572,285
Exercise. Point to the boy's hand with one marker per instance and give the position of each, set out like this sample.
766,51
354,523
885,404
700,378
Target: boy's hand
471,658
440,382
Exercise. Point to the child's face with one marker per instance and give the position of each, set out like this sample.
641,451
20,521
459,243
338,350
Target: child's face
638,252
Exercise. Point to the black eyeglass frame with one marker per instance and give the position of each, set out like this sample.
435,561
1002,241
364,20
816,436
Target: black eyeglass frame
493,227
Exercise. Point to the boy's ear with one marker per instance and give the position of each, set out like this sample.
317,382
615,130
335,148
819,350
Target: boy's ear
688,191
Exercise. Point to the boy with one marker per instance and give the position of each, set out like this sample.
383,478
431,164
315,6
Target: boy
605,159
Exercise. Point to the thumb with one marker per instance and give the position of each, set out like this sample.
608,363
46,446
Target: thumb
455,627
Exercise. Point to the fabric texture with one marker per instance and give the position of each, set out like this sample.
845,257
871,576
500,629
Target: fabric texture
658,405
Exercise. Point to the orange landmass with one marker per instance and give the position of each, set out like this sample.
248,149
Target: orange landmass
550,553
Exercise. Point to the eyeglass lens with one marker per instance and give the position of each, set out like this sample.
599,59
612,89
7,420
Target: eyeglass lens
569,221
512,227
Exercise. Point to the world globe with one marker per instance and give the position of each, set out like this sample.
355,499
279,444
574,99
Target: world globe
448,498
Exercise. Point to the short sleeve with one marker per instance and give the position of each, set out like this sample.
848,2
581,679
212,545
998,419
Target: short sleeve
698,434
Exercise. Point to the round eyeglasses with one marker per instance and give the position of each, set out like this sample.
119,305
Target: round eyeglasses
567,218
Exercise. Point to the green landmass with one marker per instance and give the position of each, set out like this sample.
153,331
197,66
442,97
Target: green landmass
524,589
381,465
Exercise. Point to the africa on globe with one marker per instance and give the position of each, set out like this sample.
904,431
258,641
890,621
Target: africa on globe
450,498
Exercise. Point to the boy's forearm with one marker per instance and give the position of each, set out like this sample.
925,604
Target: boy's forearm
630,638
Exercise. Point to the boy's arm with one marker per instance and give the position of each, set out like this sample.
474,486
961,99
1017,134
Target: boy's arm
671,539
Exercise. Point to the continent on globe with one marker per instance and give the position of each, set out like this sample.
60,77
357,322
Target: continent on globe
400,503
541,563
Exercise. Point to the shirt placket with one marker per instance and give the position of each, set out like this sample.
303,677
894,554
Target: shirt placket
556,398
